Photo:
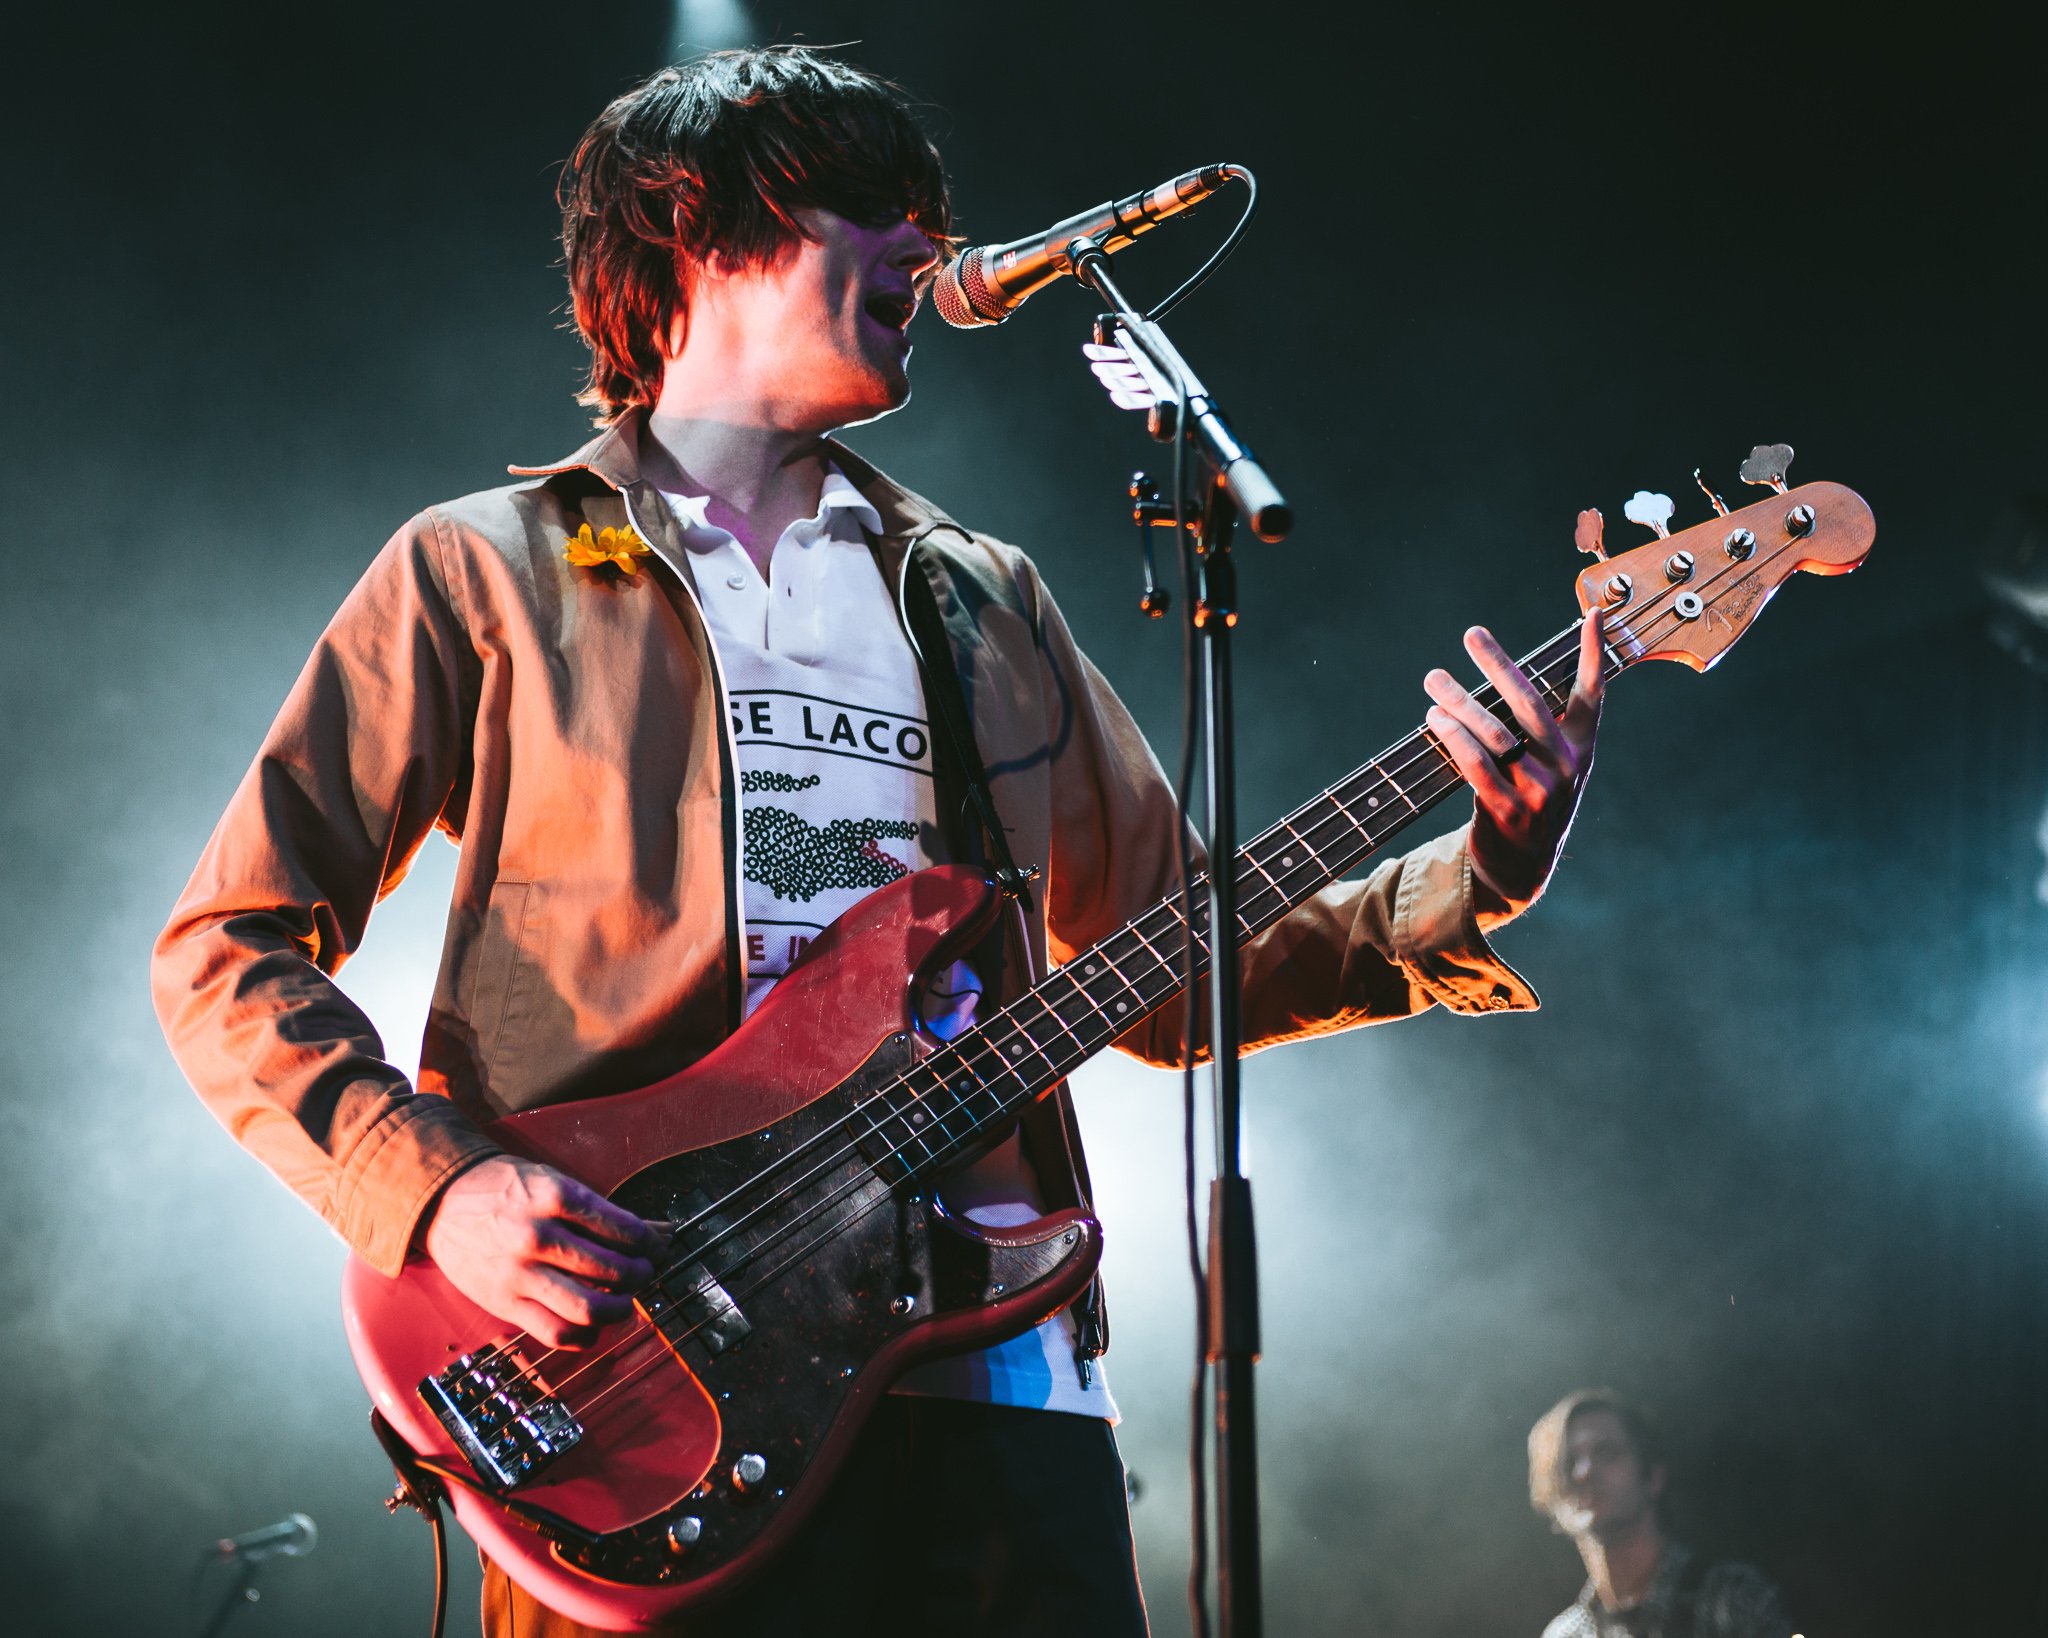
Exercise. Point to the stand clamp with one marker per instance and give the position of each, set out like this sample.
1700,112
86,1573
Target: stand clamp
1149,512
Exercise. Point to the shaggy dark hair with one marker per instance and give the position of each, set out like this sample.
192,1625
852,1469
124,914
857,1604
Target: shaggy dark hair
1547,1437
715,158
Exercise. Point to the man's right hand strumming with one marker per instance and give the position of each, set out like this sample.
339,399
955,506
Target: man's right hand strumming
540,1250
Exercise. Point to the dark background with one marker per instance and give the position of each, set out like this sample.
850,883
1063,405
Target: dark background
1773,1156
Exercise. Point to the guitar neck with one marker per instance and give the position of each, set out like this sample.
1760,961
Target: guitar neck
1005,1061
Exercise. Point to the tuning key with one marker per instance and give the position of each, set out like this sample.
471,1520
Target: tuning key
1591,532
1719,505
1651,510
1767,466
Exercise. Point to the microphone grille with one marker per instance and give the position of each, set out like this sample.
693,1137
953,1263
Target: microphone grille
308,1539
963,296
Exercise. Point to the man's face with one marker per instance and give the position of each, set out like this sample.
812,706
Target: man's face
821,334
1605,1490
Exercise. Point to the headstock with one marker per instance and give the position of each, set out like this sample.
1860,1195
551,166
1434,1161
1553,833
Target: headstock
1688,596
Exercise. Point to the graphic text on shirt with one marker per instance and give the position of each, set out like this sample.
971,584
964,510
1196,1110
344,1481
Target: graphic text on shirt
778,717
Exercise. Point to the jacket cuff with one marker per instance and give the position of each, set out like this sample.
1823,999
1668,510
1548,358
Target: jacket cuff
1437,938
395,1172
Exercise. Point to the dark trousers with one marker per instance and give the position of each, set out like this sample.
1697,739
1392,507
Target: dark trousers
981,1521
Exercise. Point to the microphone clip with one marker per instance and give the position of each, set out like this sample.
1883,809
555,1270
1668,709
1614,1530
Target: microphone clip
1149,512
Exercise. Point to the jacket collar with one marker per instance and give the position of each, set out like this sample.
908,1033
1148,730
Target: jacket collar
613,458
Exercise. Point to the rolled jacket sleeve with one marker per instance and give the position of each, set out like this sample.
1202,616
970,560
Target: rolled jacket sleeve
366,756
1401,940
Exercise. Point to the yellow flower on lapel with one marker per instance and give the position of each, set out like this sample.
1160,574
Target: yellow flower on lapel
617,547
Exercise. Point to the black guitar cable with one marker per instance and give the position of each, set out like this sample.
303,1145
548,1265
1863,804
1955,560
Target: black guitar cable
422,1489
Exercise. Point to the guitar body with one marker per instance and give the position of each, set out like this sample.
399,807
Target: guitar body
809,1272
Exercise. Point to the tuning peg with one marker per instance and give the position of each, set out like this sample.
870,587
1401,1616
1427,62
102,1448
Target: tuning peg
1767,465
1651,510
1707,489
1591,532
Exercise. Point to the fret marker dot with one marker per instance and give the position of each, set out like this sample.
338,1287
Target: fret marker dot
1287,858
1016,1052
1372,801
1123,1006
917,1117
1089,970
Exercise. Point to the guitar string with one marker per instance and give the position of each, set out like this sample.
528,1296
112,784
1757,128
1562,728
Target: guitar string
1427,747
1430,748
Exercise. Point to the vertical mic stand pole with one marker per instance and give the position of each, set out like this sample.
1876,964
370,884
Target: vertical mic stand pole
242,1592
1232,1263
1237,486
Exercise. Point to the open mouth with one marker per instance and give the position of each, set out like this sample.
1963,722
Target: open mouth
891,308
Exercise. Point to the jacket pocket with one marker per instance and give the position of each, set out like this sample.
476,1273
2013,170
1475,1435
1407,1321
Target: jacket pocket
505,970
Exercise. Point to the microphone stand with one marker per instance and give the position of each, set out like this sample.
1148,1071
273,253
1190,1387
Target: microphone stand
1234,487
239,1595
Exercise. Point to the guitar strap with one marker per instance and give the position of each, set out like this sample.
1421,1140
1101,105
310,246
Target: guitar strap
925,628
942,690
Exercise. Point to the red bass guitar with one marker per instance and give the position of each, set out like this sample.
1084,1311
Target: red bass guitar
802,1165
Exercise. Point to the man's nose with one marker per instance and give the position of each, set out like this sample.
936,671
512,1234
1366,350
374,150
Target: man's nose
913,252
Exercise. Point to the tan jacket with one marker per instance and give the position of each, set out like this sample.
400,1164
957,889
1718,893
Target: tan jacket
564,725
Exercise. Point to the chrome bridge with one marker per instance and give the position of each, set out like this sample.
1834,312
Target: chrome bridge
501,1415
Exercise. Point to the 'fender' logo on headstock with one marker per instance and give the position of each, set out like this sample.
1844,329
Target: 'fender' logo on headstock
1740,598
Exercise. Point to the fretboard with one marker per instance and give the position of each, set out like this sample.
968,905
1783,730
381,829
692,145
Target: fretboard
987,1074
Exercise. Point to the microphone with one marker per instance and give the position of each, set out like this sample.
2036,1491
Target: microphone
988,283
292,1537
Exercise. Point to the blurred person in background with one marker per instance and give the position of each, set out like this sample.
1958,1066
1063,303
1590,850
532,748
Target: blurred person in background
1597,1472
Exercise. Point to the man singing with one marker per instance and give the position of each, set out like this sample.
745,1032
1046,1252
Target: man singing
669,698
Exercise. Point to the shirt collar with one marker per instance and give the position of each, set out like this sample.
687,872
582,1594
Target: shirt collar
613,458
839,494
836,495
